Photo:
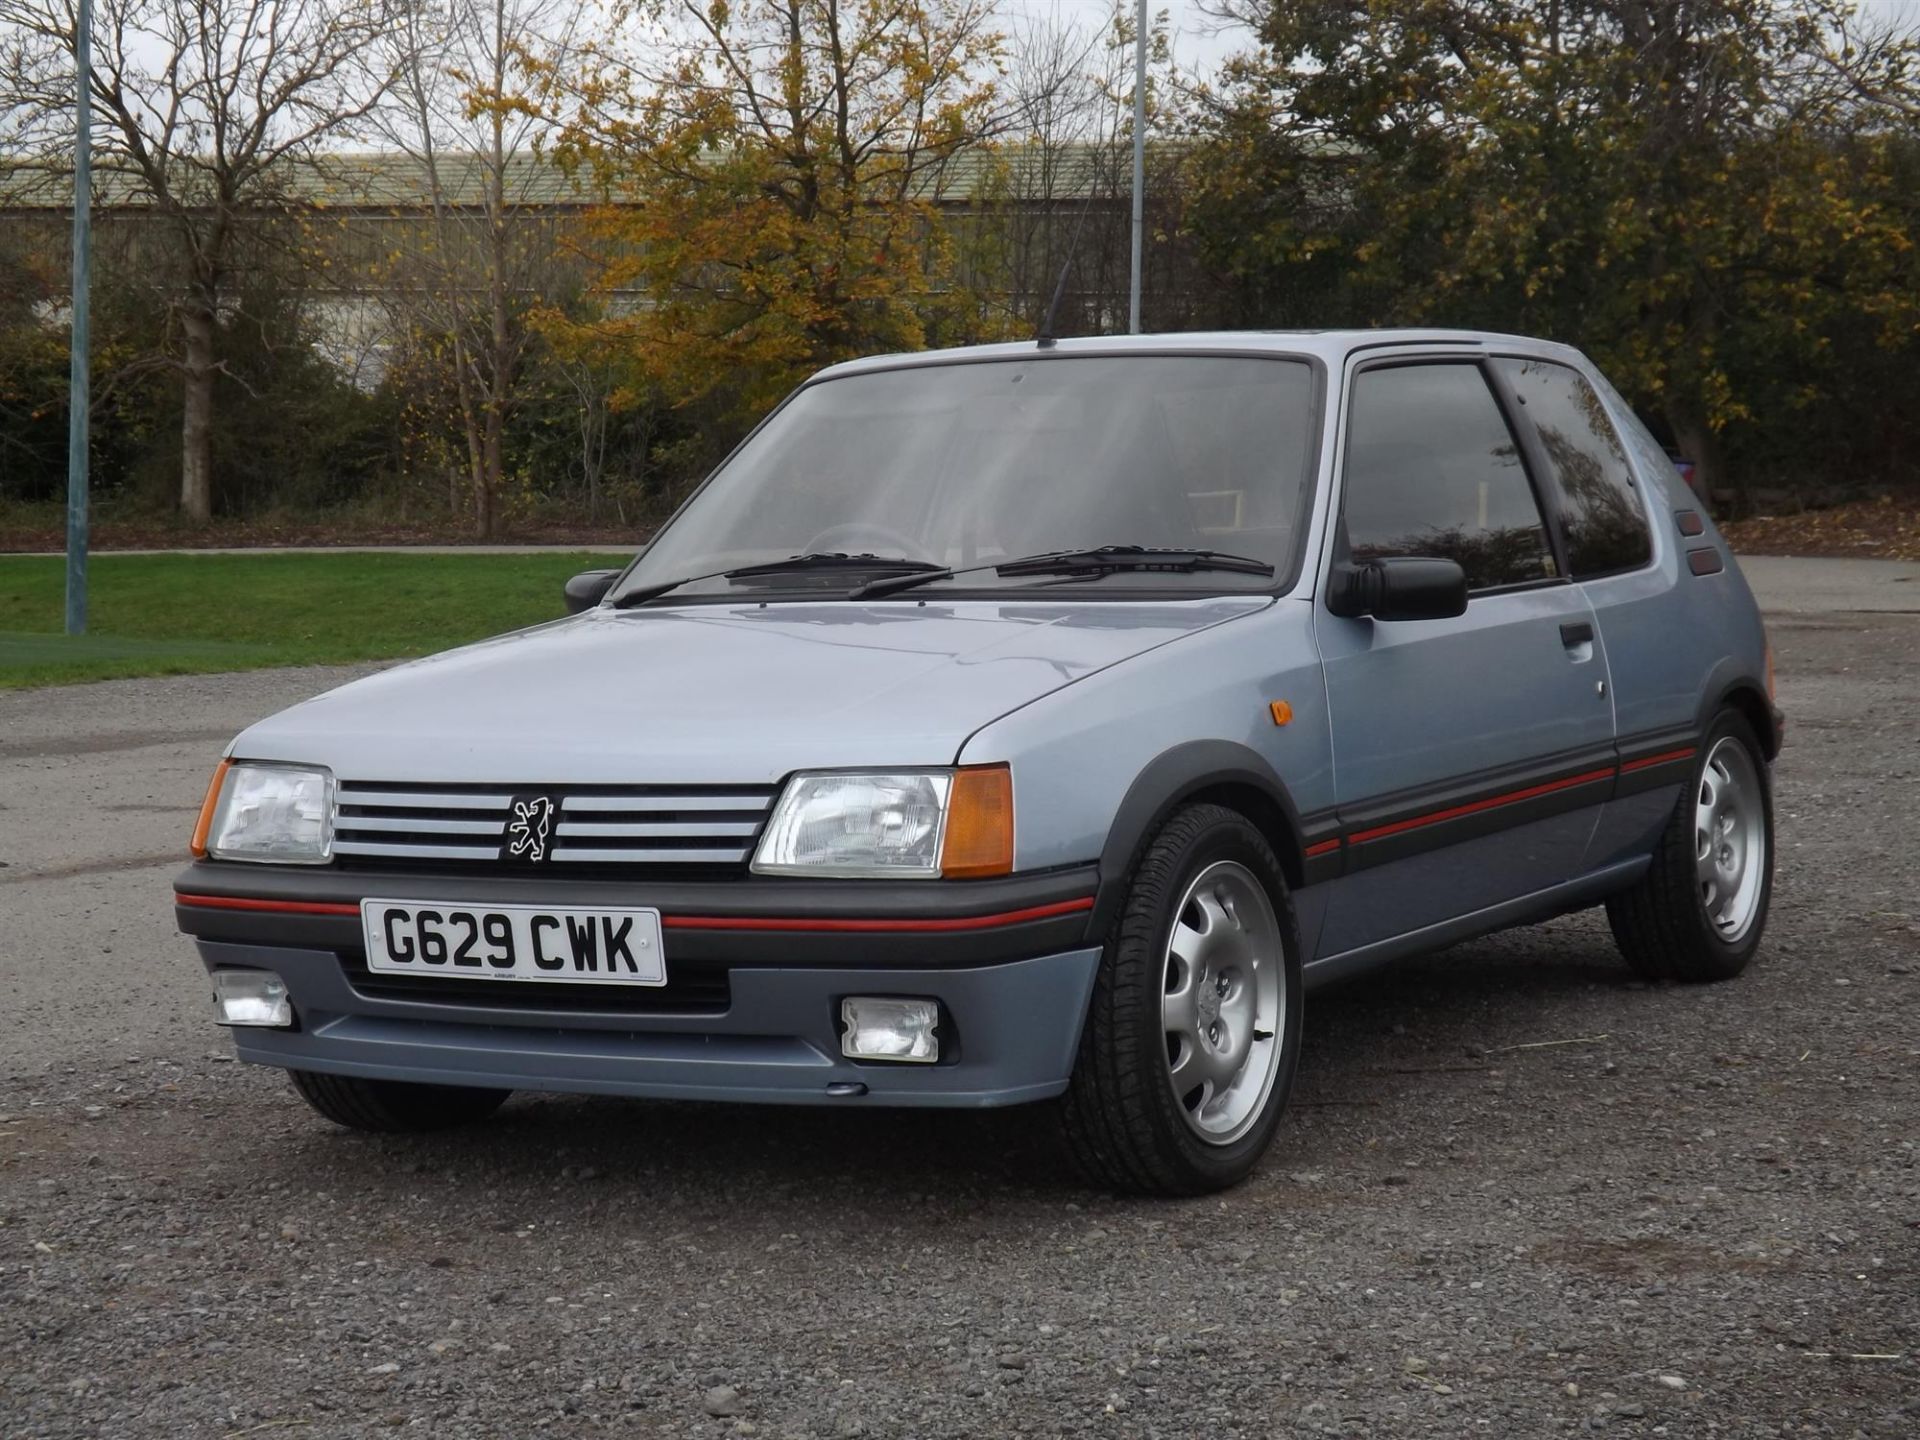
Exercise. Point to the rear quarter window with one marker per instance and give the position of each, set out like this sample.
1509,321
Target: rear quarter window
1601,513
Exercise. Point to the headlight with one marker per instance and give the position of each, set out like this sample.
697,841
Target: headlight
278,813
910,824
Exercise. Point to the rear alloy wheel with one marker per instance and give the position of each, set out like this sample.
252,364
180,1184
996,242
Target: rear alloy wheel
1730,839
1190,1045
394,1106
1699,911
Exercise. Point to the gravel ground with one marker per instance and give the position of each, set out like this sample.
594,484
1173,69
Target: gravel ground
1520,1194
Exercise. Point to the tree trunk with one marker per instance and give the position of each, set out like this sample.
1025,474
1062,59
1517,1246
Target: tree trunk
470,424
499,377
496,397
593,444
196,425
484,502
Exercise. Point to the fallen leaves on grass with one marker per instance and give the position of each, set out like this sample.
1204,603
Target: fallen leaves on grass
1887,528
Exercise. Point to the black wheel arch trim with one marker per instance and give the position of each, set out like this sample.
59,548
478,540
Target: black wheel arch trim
1186,772
1730,685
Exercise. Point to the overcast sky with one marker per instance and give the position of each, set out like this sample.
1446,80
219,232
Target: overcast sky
1192,45
1198,43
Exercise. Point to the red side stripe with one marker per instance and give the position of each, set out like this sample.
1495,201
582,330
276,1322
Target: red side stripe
915,926
707,922
1475,807
278,907
1685,752
1325,847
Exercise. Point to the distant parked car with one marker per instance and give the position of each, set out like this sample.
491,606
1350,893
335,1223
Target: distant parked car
1024,724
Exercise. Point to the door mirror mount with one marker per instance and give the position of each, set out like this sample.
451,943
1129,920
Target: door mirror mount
588,589
1400,587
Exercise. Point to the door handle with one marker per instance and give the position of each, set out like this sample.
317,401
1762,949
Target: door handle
1577,632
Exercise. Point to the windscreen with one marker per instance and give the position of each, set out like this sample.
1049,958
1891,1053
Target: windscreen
964,464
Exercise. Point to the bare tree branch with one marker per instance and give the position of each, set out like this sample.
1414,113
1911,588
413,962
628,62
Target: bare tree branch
204,108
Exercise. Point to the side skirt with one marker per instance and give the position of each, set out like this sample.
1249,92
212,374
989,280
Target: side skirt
1526,910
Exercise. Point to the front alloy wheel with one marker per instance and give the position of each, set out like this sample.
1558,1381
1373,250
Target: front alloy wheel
1193,1034
1225,1002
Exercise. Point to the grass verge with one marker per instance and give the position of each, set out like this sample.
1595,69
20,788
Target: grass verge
190,614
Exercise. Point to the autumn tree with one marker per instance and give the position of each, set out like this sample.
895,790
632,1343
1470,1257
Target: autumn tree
203,112
490,249
1678,185
780,163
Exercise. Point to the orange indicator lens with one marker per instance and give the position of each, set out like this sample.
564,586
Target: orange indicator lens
979,840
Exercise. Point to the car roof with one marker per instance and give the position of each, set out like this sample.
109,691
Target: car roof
1331,346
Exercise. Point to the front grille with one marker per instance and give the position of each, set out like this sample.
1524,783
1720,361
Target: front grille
711,827
690,989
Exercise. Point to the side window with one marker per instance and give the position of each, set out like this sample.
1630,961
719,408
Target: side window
1654,470
1433,470
1606,526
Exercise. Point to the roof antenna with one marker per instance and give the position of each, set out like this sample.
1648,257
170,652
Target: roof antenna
1045,339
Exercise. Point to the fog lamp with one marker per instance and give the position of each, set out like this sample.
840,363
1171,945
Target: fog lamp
878,1029
251,997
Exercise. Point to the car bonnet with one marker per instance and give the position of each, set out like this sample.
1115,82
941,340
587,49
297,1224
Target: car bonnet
739,693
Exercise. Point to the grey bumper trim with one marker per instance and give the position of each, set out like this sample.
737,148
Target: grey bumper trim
1011,1032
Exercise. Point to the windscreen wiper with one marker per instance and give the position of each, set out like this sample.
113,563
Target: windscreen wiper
1080,564
1110,558
834,560
899,565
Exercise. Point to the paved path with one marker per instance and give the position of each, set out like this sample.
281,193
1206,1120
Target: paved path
1819,586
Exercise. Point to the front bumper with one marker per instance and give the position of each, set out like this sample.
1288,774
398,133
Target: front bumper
762,1026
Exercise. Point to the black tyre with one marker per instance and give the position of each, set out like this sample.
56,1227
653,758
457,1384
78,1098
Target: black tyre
1699,911
1190,1046
394,1106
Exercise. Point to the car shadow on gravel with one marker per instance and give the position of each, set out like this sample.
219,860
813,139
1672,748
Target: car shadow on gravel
1441,1011
706,1156
1484,993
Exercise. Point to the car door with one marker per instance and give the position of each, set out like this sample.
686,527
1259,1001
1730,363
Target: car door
1658,651
1471,754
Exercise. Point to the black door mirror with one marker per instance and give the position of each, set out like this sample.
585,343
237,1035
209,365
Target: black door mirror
588,589
1402,587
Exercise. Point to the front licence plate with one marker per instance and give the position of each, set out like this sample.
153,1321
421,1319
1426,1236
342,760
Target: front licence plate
513,942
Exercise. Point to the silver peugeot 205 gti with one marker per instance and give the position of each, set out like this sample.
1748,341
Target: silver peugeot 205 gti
1023,724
